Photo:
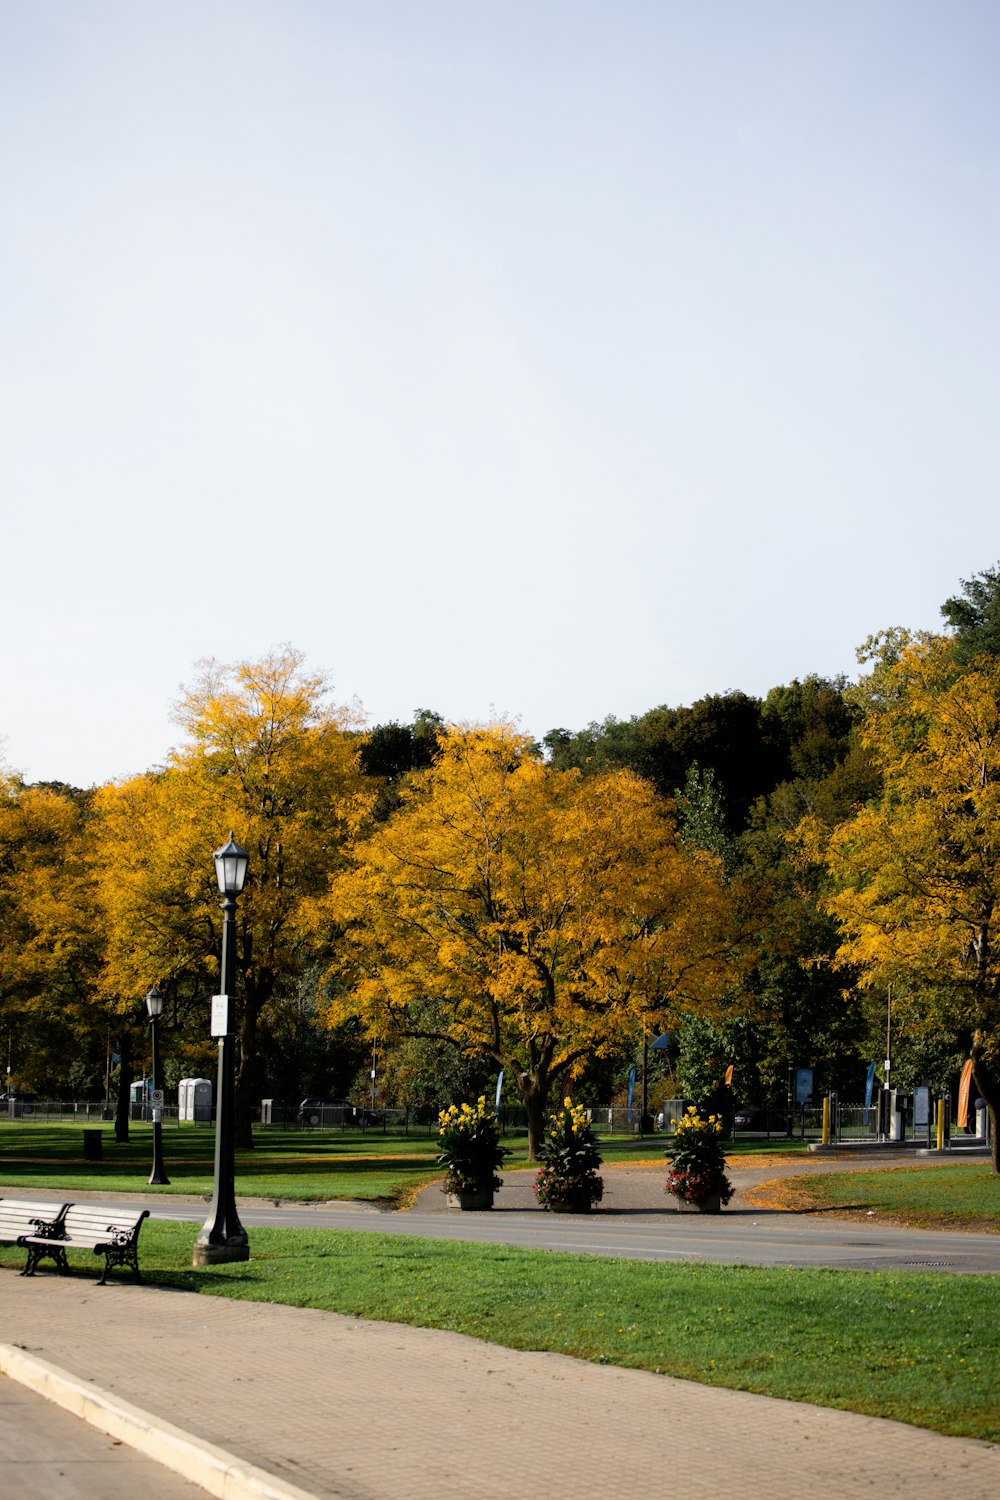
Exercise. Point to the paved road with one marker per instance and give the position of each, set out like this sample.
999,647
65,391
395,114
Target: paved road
48,1454
633,1222
750,1237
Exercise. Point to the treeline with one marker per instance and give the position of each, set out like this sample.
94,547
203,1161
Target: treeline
447,902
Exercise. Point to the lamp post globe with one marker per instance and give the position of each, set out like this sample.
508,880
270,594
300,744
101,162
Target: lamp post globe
222,1236
154,1006
231,865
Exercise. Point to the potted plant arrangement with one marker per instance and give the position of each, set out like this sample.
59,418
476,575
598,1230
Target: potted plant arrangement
568,1181
697,1178
470,1152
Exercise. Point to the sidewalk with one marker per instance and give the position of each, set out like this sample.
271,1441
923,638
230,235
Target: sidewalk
374,1411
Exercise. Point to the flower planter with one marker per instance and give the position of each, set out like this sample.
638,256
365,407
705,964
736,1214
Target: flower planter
480,1197
710,1205
470,1153
574,1206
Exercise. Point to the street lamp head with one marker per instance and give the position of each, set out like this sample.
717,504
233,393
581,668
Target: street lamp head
231,868
154,1004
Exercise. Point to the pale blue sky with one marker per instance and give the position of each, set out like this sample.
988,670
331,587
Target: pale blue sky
557,359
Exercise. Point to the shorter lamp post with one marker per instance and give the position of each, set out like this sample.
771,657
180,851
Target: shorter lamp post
154,1004
222,1236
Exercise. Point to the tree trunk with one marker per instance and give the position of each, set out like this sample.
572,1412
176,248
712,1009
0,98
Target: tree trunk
989,1087
535,1094
123,1102
247,1077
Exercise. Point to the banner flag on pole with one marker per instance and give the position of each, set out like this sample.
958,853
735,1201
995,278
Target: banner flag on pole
499,1088
729,1076
964,1087
631,1090
868,1086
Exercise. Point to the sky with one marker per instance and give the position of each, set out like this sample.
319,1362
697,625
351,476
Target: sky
554,359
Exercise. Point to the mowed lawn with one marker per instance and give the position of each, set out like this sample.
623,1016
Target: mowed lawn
965,1195
300,1165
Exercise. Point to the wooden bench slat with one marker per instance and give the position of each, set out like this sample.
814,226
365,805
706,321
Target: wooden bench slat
20,1216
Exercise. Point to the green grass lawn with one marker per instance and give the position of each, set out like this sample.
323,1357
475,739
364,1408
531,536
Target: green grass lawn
918,1347
957,1196
301,1165
305,1166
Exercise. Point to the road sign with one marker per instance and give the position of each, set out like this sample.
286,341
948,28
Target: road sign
220,1015
156,1098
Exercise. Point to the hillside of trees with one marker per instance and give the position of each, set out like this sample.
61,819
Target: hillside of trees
758,882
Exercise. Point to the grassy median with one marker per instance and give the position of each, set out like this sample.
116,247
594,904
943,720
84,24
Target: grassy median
961,1196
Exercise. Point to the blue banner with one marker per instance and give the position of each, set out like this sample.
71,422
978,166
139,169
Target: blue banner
631,1091
868,1086
499,1088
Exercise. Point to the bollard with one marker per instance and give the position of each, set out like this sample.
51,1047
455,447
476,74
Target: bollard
940,1124
825,1138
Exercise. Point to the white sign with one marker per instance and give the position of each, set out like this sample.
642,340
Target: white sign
220,1015
156,1098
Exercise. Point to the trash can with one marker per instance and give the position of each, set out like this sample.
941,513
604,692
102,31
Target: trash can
92,1145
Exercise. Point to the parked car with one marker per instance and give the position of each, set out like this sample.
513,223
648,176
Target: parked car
334,1112
760,1117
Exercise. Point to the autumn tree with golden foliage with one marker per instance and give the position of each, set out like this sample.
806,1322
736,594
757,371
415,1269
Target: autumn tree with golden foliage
916,873
525,913
271,760
49,939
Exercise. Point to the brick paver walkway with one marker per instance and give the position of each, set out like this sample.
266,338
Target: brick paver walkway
375,1411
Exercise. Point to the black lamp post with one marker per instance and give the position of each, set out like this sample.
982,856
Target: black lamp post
222,1236
154,1004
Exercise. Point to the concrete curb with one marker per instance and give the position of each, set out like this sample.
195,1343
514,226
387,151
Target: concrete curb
216,1471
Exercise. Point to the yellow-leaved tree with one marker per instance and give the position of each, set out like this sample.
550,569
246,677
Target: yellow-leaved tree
49,940
270,759
916,872
525,914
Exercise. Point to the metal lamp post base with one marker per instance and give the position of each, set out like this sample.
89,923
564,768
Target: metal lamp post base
207,1254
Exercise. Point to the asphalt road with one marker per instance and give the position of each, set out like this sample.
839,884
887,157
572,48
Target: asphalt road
634,1223
748,1237
49,1454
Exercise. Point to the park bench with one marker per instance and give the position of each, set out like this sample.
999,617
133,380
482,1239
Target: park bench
107,1231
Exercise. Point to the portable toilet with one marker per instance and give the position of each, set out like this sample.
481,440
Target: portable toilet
194,1100
138,1098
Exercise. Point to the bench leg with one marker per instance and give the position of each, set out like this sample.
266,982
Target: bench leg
118,1255
37,1253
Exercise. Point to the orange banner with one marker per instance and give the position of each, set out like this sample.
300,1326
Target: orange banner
965,1083
729,1076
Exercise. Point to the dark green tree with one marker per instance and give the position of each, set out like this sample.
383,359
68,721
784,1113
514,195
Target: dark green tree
974,615
392,751
721,734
